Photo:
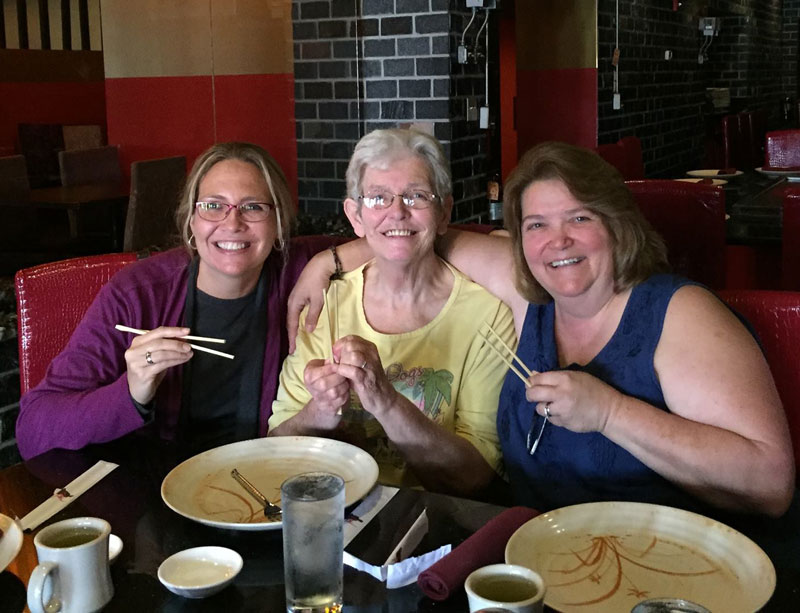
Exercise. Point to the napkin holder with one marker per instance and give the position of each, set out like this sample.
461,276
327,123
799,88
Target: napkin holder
386,546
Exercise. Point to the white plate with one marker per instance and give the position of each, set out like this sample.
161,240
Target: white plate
791,174
202,489
713,173
698,179
10,541
200,571
605,557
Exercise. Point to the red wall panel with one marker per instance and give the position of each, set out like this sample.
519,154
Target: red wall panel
558,105
153,117
49,102
259,109
159,117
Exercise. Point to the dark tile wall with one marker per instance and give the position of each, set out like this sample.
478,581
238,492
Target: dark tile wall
664,101
377,64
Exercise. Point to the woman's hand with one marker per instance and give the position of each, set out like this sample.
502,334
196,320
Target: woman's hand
358,360
314,280
329,391
149,357
576,400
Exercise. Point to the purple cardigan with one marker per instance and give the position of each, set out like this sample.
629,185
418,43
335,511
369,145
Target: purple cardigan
84,396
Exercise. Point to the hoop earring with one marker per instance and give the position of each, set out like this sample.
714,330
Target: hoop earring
192,246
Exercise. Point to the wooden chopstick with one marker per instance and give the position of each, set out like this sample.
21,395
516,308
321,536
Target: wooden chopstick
527,370
188,337
198,347
502,356
330,322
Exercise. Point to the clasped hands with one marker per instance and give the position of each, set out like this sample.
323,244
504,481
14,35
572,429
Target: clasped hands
355,366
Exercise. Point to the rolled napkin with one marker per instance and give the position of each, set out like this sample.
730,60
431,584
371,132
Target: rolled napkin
486,546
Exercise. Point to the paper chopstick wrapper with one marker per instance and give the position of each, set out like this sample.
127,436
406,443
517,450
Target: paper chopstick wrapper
64,496
398,570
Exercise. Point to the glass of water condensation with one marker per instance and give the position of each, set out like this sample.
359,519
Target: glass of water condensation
313,520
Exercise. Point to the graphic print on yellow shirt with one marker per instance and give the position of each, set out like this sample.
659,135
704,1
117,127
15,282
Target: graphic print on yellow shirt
426,388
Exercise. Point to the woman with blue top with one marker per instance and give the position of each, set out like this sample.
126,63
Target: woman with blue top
654,391
646,387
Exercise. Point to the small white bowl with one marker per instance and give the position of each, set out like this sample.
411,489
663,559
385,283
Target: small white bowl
114,547
200,571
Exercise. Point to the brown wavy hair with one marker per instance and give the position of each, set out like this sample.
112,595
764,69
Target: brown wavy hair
638,250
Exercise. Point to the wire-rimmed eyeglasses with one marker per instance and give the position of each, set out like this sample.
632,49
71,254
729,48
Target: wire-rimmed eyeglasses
413,198
211,210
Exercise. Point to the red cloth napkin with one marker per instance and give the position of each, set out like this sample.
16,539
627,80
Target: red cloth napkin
486,546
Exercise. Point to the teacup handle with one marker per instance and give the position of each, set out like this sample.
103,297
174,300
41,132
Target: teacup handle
36,585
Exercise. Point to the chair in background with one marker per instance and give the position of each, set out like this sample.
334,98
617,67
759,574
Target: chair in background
775,317
790,242
155,192
14,181
83,137
757,121
51,300
40,144
733,146
82,166
625,155
782,150
691,219
633,155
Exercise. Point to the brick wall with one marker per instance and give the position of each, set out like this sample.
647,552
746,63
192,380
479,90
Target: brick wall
381,64
664,102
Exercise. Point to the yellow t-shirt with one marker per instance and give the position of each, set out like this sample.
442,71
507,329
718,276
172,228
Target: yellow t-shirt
444,368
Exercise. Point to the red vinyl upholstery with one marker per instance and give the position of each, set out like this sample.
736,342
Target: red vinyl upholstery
790,241
775,317
691,219
782,149
51,300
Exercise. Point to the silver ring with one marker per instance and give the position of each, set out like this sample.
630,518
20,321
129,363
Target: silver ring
547,410
364,365
148,357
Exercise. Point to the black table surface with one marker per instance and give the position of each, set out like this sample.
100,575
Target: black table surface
129,498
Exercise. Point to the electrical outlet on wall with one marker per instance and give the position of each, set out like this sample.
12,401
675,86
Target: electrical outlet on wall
617,102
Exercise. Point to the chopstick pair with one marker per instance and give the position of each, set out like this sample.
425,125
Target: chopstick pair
531,443
505,358
204,339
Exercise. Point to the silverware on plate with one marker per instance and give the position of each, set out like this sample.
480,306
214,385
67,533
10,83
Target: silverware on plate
271,511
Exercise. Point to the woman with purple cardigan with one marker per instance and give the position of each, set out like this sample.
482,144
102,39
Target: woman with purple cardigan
230,280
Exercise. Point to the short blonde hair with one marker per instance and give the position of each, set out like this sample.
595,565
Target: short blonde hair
638,250
245,152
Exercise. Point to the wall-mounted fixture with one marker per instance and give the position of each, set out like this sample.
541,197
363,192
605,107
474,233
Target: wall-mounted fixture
465,55
709,26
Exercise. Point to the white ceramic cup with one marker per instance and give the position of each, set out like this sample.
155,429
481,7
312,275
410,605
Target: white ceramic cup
507,586
77,549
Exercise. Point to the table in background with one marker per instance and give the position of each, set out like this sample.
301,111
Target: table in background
129,498
80,201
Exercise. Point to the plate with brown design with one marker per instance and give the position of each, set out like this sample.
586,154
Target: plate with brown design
202,488
608,556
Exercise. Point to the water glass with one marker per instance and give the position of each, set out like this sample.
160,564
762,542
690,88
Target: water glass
313,522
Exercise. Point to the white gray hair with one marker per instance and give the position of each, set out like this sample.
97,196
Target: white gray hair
380,148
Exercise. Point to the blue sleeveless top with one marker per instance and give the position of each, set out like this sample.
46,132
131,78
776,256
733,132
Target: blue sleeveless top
571,467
